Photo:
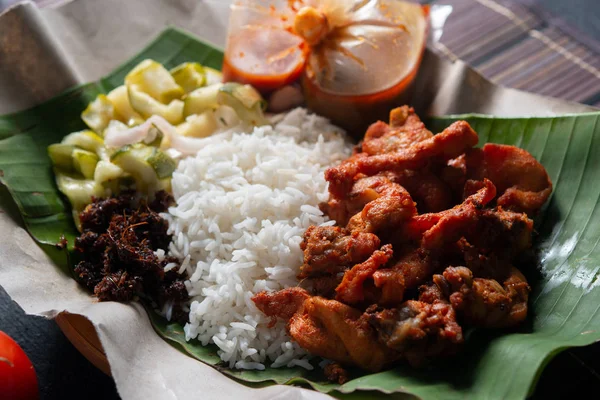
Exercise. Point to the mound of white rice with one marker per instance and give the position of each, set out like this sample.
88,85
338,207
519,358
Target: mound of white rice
243,204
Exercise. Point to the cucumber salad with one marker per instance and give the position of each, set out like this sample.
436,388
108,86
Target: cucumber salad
139,130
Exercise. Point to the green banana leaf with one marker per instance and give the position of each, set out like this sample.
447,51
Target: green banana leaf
566,295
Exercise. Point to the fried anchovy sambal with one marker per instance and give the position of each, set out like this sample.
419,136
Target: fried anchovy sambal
428,232
117,250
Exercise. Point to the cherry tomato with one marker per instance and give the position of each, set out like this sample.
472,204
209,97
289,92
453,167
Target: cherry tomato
17,376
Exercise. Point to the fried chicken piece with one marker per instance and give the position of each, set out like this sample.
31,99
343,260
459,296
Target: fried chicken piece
329,250
350,291
404,130
438,290
417,330
491,229
430,193
460,220
505,232
454,175
324,286
415,265
413,229
485,302
326,328
388,287
522,182
333,330
408,271
281,304
364,190
390,210
451,143
297,307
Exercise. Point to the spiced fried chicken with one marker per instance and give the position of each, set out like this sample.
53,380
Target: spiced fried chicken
428,230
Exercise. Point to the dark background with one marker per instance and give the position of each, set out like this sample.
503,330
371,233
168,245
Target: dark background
64,374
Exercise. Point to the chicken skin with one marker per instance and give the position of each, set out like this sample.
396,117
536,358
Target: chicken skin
522,182
405,129
327,328
451,143
331,249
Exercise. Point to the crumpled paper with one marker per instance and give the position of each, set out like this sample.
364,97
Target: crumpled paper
84,40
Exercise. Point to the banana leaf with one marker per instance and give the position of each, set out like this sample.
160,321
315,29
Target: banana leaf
566,295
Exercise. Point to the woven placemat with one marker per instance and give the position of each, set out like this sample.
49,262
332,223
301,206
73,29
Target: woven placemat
521,44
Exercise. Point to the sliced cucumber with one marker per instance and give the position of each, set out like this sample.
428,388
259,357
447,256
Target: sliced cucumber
85,162
107,171
162,164
201,100
212,76
120,100
78,191
147,106
245,100
199,126
226,117
61,156
245,94
153,79
146,164
98,114
190,76
86,140
117,126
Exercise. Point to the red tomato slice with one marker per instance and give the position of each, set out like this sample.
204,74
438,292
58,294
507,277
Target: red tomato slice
17,376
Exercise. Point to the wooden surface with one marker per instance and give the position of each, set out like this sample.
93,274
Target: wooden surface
81,333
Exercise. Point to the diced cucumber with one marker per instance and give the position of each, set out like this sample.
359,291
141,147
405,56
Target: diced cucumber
245,94
190,76
133,160
85,162
61,156
120,100
201,99
162,164
98,114
78,191
147,106
106,171
245,100
226,117
153,79
145,163
86,140
199,126
212,76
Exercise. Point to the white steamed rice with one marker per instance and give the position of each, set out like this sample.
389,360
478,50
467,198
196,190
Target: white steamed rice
242,205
